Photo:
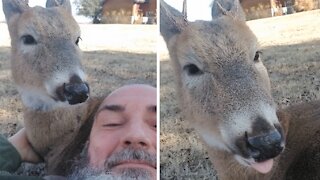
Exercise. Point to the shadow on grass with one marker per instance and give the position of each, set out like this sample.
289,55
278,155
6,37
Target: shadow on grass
108,70
294,72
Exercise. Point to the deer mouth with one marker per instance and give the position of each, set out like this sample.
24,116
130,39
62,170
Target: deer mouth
259,151
262,167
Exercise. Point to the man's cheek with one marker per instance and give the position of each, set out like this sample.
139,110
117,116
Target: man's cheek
95,155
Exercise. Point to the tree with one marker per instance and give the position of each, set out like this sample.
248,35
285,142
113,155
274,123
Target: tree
90,8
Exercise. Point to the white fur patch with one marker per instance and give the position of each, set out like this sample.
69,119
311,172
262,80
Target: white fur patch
81,74
59,78
241,121
213,141
55,81
235,126
269,113
37,100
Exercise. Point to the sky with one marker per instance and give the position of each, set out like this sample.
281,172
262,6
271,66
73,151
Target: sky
42,3
197,9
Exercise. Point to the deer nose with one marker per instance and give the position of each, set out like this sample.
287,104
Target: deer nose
76,92
265,146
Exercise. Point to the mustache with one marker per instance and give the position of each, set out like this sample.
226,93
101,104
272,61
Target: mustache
131,154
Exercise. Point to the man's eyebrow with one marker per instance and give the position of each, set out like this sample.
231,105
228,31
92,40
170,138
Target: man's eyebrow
152,108
113,107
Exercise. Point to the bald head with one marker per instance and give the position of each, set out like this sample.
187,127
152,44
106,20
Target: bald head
135,92
126,122
134,88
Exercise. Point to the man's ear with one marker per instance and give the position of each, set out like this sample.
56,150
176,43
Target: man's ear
62,3
172,22
227,8
13,7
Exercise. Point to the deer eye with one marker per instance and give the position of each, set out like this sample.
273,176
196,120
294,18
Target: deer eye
192,70
257,56
77,41
28,40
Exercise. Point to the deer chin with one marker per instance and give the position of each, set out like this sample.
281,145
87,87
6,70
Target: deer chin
263,167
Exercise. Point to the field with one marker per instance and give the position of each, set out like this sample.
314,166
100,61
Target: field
290,48
114,55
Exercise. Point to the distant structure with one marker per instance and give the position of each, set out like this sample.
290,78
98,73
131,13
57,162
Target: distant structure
255,9
185,9
129,12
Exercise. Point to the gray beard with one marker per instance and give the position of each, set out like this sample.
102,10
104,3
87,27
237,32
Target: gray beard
83,171
126,174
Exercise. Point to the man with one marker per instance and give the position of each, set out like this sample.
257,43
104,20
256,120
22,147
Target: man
123,136
122,143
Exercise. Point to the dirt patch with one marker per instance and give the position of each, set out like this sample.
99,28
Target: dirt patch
291,53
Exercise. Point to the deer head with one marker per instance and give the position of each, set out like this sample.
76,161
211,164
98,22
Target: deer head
45,57
223,86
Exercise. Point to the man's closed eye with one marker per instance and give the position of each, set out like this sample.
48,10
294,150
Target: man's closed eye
111,125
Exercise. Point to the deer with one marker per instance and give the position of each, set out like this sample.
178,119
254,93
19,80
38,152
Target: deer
46,68
225,94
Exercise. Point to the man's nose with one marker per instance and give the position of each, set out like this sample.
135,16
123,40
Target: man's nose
137,137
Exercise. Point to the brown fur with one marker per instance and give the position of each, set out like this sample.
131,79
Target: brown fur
56,130
229,83
59,135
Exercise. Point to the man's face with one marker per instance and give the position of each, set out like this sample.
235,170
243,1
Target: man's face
123,136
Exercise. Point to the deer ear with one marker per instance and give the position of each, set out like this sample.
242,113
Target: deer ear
13,7
63,3
172,22
227,7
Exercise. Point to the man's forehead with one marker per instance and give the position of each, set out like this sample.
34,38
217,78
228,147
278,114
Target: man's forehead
122,108
132,91
125,100
143,94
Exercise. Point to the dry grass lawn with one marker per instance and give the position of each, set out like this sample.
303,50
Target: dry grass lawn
291,53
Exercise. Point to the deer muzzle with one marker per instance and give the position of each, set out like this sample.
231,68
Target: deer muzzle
265,146
76,92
